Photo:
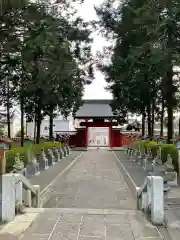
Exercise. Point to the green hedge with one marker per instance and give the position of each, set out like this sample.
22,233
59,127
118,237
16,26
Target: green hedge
23,152
142,144
172,150
153,146
165,150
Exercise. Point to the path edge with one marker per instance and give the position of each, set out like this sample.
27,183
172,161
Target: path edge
130,182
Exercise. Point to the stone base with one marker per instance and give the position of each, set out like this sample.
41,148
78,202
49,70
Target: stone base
56,156
64,152
25,172
171,178
61,153
136,157
126,151
139,161
67,150
43,164
33,168
172,183
51,160
147,165
159,168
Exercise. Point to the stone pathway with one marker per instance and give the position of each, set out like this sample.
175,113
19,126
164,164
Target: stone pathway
91,202
94,182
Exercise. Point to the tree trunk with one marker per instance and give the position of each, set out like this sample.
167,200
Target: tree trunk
162,119
35,121
169,99
149,120
169,76
26,129
38,134
179,126
152,121
8,110
51,125
22,120
143,124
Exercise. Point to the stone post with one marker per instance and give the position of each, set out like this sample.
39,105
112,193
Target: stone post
33,165
157,200
2,161
7,210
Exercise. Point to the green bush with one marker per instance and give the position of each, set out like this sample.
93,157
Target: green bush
11,154
23,152
153,146
172,150
165,150
144,144
137,144
36,148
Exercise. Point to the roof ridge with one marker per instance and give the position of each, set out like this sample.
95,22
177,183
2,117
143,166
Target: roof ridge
95,108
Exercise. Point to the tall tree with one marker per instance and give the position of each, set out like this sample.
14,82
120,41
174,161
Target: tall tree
144,56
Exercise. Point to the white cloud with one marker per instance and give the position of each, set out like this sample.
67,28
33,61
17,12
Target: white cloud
96,89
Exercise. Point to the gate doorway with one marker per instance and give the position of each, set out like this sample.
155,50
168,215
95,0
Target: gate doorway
98,136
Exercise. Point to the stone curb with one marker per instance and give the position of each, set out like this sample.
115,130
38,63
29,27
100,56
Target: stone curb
131,184
79,149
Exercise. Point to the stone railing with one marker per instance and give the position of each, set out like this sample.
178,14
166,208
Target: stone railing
17,193
150,198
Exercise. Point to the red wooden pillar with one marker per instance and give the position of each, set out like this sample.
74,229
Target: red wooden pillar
86,136
110,137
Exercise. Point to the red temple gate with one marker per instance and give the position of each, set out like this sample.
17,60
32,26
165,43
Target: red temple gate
97,114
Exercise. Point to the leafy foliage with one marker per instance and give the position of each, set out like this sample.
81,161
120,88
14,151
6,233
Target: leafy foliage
45,54
142,72
2,132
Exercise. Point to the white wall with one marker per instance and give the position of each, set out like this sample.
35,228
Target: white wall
58,126
15,126
6,128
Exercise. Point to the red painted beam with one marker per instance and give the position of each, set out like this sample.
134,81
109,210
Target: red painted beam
98,124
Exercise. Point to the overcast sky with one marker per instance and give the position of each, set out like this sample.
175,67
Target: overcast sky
96,89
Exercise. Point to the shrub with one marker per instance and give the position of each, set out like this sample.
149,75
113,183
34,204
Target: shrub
172,150
144,144
36,148
137,144
11,154
154,148
23,152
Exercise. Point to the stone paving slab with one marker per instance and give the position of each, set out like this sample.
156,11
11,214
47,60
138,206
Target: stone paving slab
127,225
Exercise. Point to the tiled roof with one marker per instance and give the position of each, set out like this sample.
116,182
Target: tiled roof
95,108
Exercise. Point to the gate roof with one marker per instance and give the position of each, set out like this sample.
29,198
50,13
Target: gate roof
95,108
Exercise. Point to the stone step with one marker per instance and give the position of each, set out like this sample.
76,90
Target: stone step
83,211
